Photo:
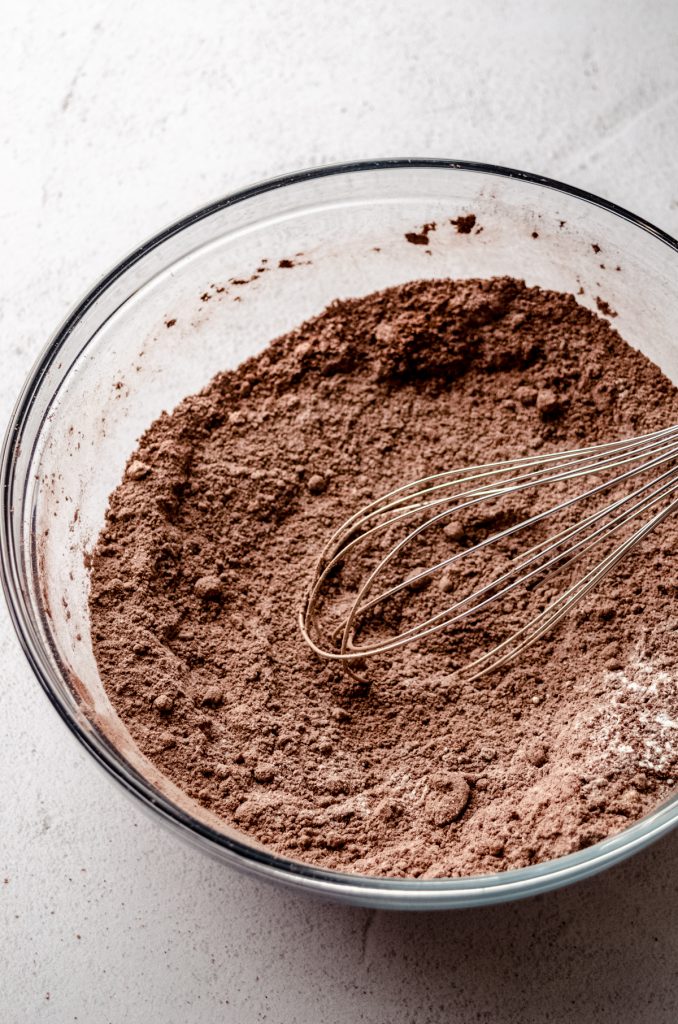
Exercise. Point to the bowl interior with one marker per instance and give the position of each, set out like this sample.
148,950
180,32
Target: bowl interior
215,290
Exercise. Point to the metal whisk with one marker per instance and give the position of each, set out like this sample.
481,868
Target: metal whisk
433,501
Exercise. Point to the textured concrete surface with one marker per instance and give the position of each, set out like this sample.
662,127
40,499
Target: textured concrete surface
117,118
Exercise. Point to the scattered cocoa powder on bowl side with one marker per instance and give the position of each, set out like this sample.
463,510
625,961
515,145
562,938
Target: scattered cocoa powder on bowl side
209,540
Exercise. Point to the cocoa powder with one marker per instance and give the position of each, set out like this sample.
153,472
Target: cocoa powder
209,540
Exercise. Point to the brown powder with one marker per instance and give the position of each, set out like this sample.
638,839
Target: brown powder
421,237
465,224
209,539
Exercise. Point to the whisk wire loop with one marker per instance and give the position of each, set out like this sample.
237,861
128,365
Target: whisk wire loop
452,494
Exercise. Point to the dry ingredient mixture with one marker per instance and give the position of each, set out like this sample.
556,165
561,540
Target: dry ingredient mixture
209,540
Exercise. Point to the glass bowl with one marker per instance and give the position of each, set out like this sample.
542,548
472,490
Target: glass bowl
157,328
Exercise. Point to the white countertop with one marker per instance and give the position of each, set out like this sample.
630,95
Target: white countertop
116,119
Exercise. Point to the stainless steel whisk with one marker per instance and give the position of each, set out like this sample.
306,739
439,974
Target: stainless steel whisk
433,500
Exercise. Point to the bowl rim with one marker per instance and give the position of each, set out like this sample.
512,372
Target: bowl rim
396,893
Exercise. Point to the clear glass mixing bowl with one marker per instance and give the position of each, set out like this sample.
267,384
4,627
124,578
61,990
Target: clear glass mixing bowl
157,328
